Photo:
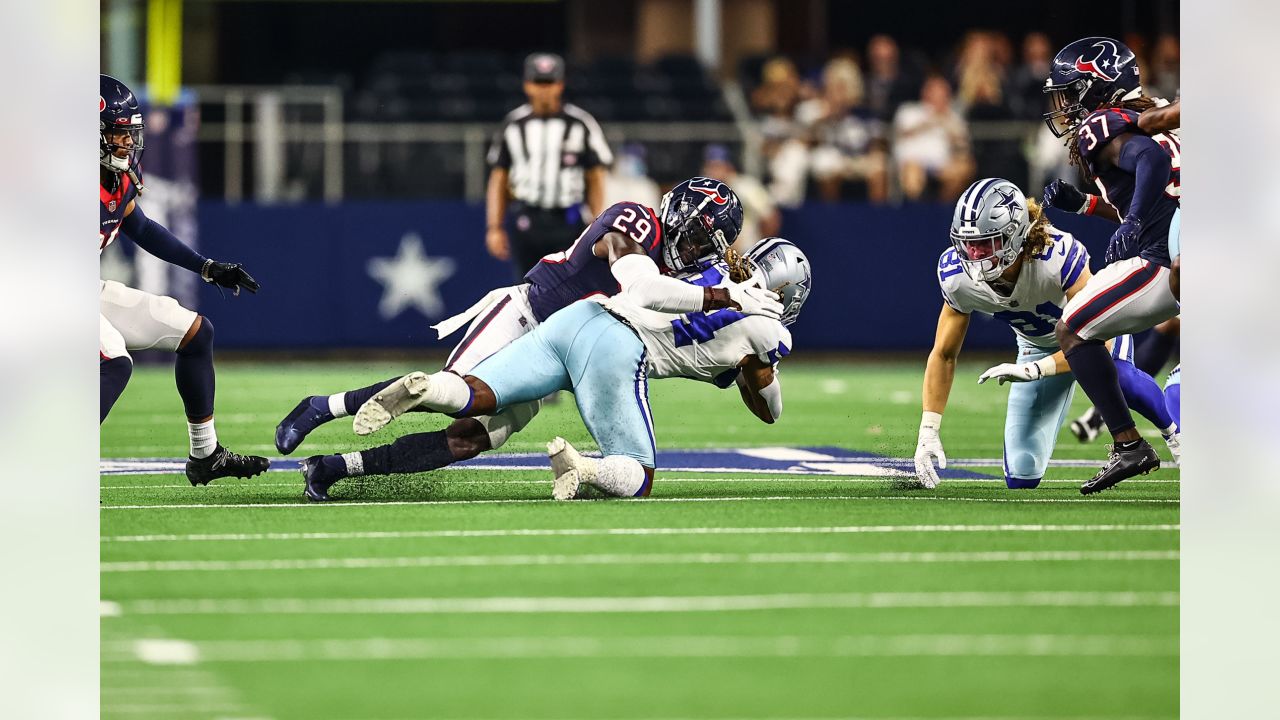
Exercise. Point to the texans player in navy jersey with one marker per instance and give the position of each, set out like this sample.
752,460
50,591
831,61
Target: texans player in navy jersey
1097,97
629,247
131,319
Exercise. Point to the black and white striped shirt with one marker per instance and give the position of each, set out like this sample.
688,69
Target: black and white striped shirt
548,156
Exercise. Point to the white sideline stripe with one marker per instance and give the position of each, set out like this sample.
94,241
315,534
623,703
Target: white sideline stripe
651,604
453,561
814,479
646,501
584,532
381,648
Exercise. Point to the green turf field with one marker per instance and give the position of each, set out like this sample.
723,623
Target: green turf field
469,594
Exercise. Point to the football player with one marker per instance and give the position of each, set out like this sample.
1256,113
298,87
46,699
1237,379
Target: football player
1097,99
131,319
628,248
604,350
1007,261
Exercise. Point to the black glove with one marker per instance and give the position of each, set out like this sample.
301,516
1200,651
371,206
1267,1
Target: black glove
1065,196
1123,241
228,275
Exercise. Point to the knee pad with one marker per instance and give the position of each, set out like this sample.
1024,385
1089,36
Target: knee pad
202,342
1023,470
510,421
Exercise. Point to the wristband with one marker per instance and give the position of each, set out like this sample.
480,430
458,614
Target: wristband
930,420
1047,366
1090,204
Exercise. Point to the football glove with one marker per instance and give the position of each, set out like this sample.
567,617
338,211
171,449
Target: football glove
228,275
753,300
1123,241
1065,196
928,450
1012,372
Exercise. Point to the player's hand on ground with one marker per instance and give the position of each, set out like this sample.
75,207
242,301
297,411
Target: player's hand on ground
1011,372
1065,196
754,300
498,245
928,451
229,275
1122,240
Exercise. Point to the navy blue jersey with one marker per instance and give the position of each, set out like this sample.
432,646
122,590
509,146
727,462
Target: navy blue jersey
1117,185
111,209
562,278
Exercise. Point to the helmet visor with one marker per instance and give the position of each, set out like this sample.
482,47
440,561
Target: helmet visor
983,256
697,242
1066,110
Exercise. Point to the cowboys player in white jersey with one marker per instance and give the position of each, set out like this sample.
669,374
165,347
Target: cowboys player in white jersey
1007,261
605,351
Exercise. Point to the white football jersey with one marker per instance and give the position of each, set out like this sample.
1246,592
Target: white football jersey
1035,305
702,346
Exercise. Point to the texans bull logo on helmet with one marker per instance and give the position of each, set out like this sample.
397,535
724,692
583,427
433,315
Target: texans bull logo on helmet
1108,56
712,189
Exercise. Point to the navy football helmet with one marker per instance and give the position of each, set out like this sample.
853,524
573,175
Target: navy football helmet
701,217
120,126
1086,75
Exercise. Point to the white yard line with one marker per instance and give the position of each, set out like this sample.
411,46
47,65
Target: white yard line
303,607
816,558
588,532
380,649
768,498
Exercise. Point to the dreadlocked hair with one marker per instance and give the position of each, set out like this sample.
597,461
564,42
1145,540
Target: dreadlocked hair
1038,233
1139,104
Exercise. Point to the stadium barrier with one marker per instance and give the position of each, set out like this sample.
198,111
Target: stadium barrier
378,274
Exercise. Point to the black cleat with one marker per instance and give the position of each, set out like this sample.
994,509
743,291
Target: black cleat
320,472
1088,426
1122,465
224,463
310,414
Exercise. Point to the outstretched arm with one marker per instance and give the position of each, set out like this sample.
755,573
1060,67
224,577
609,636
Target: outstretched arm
157,240
760,388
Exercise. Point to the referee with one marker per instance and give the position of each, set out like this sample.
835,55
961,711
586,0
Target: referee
548,159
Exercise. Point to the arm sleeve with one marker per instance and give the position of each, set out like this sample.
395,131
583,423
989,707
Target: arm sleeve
157,240
639,278
1150,166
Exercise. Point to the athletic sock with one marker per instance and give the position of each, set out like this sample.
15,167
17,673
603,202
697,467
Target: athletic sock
447,393
414,453
347,403
617,475
204,439
1095,370
1153,353
1143,394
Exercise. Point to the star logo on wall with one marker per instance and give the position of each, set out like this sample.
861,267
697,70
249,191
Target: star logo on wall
411,279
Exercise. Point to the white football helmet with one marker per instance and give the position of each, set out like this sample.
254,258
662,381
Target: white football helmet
989,227
783,268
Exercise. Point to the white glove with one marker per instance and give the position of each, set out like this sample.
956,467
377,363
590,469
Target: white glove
755,300
929,449
1016,372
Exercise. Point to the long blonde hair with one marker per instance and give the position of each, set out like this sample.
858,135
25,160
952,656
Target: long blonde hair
1038,234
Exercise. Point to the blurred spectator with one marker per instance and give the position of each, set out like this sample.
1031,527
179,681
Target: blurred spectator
887,85
1162,76
775,99
848,140
1026,86
931,142
760,216
629,180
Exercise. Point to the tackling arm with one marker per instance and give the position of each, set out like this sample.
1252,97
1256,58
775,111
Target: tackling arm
760,388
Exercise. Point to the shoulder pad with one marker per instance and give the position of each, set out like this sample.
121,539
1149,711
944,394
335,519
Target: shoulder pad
950,278
1102,126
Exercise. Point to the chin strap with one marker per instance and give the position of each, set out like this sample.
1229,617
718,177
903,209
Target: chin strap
137,180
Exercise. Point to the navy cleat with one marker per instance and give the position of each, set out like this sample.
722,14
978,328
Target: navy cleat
224,463
1122,465
310,414
320,473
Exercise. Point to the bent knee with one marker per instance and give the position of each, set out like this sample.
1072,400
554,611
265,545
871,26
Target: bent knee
1067,337
1023,470
201,341
120,368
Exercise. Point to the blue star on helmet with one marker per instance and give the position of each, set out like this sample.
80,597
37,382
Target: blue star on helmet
1008,201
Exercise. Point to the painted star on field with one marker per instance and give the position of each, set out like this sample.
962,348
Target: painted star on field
411,279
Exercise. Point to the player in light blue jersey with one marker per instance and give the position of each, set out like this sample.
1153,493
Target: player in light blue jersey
1007,261
605,351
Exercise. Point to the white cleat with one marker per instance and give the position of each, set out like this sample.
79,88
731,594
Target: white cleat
1174,442
390,403
565,462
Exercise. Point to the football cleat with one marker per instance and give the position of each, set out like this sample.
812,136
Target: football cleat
390,403
566,466
320,475
1174,442
310,414
1122,465
224,463
1087,426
